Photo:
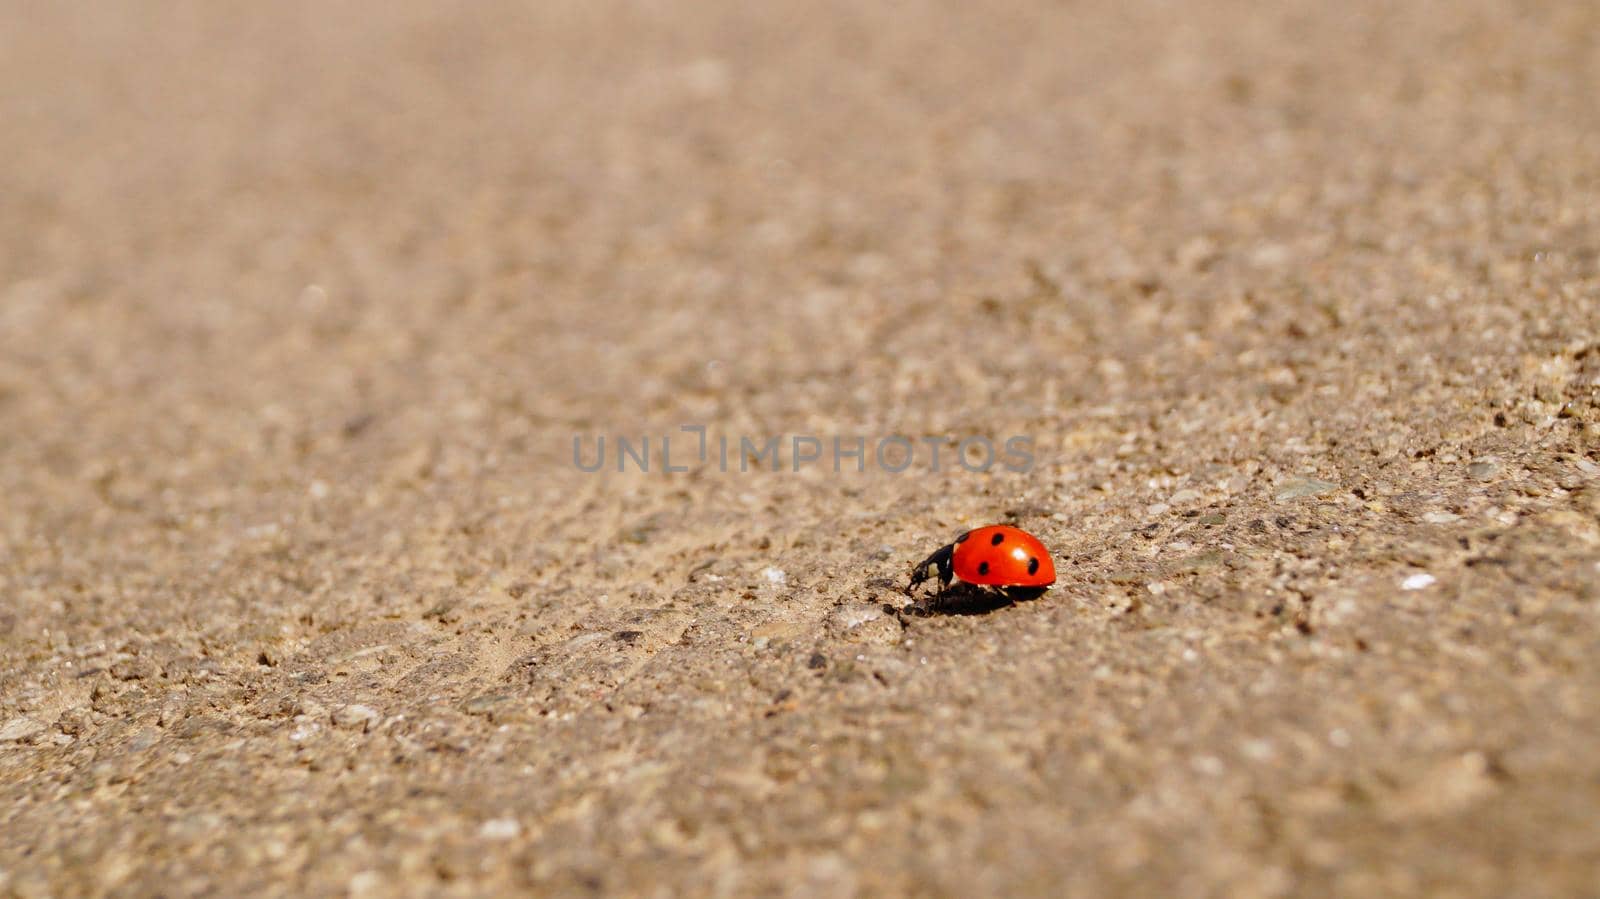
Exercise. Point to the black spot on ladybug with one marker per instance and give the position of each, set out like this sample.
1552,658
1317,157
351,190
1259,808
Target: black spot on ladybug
963,536
983,567
1033,565
998,539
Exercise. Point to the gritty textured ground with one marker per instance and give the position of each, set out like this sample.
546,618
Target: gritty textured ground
301,305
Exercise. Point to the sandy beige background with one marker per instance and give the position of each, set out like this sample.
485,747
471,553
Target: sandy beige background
301,305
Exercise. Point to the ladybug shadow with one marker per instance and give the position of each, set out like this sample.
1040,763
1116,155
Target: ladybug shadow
969,599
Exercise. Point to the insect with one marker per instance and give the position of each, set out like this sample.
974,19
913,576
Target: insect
997,558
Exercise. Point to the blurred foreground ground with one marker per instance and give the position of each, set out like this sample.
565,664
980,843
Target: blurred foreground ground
302,306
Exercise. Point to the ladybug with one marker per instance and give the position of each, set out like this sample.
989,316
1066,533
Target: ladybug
997,559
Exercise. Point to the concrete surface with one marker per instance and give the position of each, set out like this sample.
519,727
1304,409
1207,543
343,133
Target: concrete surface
302,305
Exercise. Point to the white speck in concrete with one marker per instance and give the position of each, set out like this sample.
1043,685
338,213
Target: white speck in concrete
500,829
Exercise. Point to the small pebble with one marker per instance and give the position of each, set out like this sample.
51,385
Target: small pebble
1301,487
500,829
19,729
1418,582
365,883
354,716
853,615
1259,750
863,622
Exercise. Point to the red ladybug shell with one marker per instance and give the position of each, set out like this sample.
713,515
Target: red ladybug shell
1003,556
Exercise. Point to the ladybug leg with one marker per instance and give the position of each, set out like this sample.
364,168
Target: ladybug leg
940,564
